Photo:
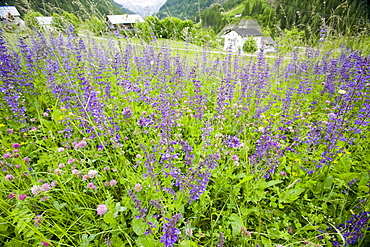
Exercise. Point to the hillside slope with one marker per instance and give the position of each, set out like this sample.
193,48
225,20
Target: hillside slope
183,9
81,8
192,9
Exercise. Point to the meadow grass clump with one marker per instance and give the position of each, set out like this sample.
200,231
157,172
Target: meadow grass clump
107,143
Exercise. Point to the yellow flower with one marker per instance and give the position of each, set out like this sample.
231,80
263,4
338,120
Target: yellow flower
335,162
61,117
340,154
2,125
294,174
348,152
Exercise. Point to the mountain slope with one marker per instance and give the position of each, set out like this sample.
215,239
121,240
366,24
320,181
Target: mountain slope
81,8
191,9
183,9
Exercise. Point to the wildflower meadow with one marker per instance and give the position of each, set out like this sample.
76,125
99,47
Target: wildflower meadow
109,143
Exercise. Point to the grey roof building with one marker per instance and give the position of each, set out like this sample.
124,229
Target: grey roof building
5,11
247,32
11,17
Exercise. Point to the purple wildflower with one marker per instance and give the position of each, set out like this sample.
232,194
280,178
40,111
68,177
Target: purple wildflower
170,232
16,145
22,197
232,142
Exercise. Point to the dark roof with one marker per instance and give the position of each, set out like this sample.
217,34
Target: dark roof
246,32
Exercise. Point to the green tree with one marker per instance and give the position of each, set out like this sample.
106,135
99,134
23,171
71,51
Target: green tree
250,45
97,26
247,10
31,21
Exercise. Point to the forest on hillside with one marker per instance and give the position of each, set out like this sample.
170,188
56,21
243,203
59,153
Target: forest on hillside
345,17
184,9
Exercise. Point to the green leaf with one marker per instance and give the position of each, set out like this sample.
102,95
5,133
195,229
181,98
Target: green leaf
290,195
245,179
266,242
147,241
187,243
56,115
273,182
139,226
59,206
250,210
48,124
362,188
4,227
328,182
236,223
119,208
85,240
109,218
364,178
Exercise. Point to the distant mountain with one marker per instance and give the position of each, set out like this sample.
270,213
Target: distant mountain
142,7
81,8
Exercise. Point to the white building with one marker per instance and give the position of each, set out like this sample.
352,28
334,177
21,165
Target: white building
46,22
10,16
123,21
235,38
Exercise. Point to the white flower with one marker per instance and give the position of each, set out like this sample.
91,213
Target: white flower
92,173
35,189
342,91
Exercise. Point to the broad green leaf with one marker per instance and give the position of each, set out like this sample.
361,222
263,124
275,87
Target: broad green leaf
245,179
109,218
236,223
266,242
59,206
85,240
48,124
290,195
328,182
273,182
187,243
4,227
147,241
139,226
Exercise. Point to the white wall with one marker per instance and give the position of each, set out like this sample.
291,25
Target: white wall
234,42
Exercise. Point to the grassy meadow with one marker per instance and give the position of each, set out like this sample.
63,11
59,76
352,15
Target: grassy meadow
111,143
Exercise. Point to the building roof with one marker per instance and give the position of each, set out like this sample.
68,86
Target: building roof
249,24
124,19
247,32
267,40
5,10
44,20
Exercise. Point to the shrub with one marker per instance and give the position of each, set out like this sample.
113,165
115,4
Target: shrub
250,45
